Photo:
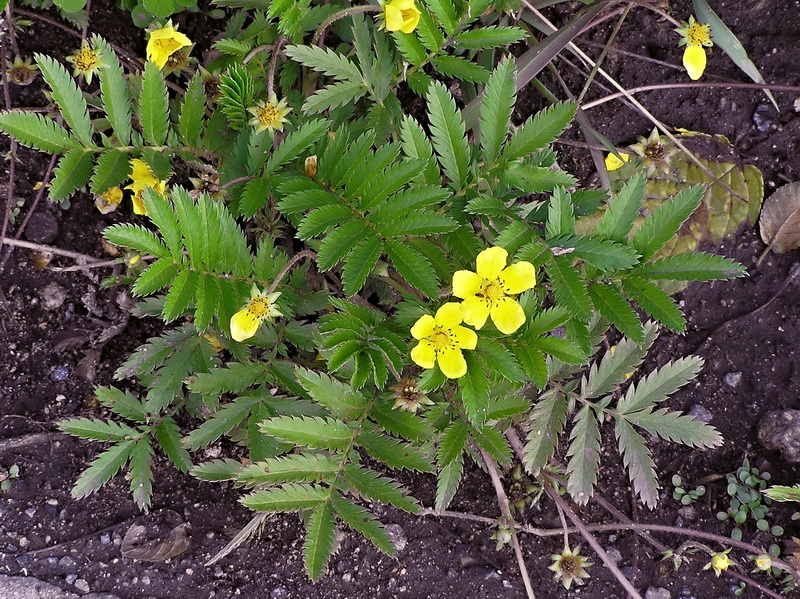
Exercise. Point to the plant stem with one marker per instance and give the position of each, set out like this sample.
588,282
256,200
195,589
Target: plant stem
48,248
319,34
294,260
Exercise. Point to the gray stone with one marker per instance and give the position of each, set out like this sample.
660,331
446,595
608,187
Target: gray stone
657,593
42,228
781,430
732,379
53,296
398,536
26,587
698,412
688,513
614,554
82,585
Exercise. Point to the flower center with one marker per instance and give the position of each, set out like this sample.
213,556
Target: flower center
654,152
699,34
442,339
86,60
268,115
176,59
492,291
408,14
259,307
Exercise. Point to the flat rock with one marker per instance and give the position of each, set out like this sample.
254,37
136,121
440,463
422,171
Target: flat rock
781,430
25,587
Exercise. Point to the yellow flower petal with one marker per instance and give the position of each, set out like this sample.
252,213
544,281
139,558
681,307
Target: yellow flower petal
465,338
163,43
518,277
466,283
138,204
475,311
507,316
401,15
490,262
449,315
394,17
613,162
694,61
423,328
244,325
452,363
424,355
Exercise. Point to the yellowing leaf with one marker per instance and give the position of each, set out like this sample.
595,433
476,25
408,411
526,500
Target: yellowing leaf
780,219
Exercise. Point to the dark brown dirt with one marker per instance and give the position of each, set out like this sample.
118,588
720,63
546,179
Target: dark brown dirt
52,360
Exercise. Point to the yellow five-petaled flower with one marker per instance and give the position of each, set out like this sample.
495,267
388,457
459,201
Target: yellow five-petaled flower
491,291
269,115
696,37
261,307
163,43
441,339
87,62
719,562
142,178
401,15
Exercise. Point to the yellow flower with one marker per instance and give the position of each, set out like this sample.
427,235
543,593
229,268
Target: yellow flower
490,291
142,178
569,566
762,562
719,562
441,339
87,62
695,36
261,307
270,115
401,15
163,43
109,200
613,161
694,61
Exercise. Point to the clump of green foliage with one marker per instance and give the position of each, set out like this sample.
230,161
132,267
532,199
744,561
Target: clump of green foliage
359,214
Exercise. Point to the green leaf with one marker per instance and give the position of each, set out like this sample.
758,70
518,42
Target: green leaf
493,442
498,358
413,267
486,38
340,399
655,302
547,421
584,456
417,223
401,423
217,471
168,435
370,485
220,422
68,97
474,387
601,253
496,108
452,442
190,120
121,403
445,13
296,143
569,288
534,179
324,60
141,473
359,264
114,92
206,300
623,210
610,303
562,349
560,218
341,242
448,481
153,105
460,68
429,33
416,145
660,384
36,131
662,224
301,467
673,426
72,172
291,497
532,362
320,540
699,266
180,295
363,521
313,432
394,453
547,320
334,95
236,95
111,170
100,471
538,131
97,430
156,276
638,461
448,134
410,47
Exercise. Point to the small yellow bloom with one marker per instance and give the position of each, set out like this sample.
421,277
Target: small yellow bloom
142,178
569,566
719,562
163,43
762,562
694,61
401,15
261,307
613,161
87,62
441,339
270,115
695,36
492,289
109,200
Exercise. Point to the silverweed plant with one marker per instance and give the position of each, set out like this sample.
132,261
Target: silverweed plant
353,286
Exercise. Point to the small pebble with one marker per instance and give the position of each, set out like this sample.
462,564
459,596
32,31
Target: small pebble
49,561
398,536
614,555
762,118
698,412
71,578
30,512
59,374
67,562
688,513
732,379
657,593
347,577
82,585
53,296
278,592
105,538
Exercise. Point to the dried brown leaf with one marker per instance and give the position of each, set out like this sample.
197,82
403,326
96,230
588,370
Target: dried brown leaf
157,537
780,219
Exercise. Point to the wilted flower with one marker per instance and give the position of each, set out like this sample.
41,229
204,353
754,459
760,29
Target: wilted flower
269,115
492,289
310,166
261,307
142,178
656,154
401,15
762,562
408,397
719,562
441,339
569,566
87,62
163,43
696,37
109,200
22,72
